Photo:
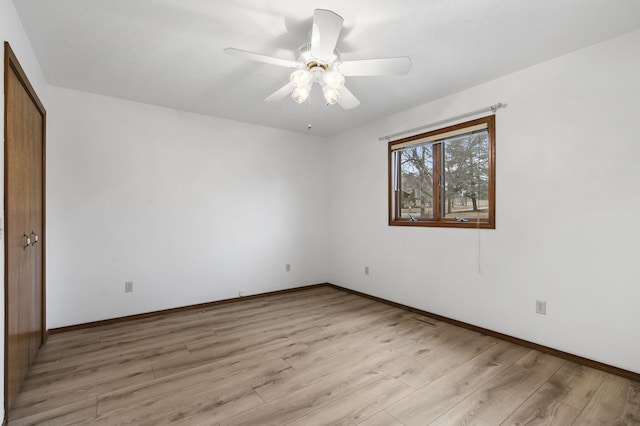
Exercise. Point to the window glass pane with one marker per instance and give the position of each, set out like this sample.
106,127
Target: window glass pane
416,183
466,176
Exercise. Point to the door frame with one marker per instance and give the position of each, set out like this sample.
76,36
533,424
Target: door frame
11,64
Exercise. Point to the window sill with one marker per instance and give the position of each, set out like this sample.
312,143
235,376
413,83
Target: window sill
444,224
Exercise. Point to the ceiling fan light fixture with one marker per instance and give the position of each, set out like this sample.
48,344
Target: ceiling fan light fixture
331,95
319,61
301,93
334,79
300,78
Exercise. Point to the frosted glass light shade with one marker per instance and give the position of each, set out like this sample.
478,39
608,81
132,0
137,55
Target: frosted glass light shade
300,77
331,95
334,79
300,94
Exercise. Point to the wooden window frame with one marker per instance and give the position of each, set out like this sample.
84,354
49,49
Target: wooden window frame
438,220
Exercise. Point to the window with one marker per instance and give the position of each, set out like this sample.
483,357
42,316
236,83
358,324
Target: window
445,177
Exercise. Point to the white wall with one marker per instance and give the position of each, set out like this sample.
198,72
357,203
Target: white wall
11,30
190,208
567,207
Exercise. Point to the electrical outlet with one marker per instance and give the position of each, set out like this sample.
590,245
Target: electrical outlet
128,287
287,267
541,307
240,293
366,270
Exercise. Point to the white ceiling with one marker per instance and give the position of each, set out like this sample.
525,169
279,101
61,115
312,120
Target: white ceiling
170,52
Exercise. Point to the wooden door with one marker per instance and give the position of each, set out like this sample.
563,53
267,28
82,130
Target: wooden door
25,120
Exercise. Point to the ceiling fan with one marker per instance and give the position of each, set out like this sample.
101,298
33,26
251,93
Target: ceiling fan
319,62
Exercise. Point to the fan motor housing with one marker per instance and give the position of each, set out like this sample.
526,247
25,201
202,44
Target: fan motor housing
303,55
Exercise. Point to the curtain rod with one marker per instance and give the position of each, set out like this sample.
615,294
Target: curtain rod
492,108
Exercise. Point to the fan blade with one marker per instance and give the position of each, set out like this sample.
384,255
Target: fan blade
261,58
382,66
280,93
324,34
347,99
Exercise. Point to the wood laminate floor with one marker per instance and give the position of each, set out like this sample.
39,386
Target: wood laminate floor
315,357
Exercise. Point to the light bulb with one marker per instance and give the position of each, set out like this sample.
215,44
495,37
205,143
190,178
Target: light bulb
334,79
300,77
331,95
300,94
